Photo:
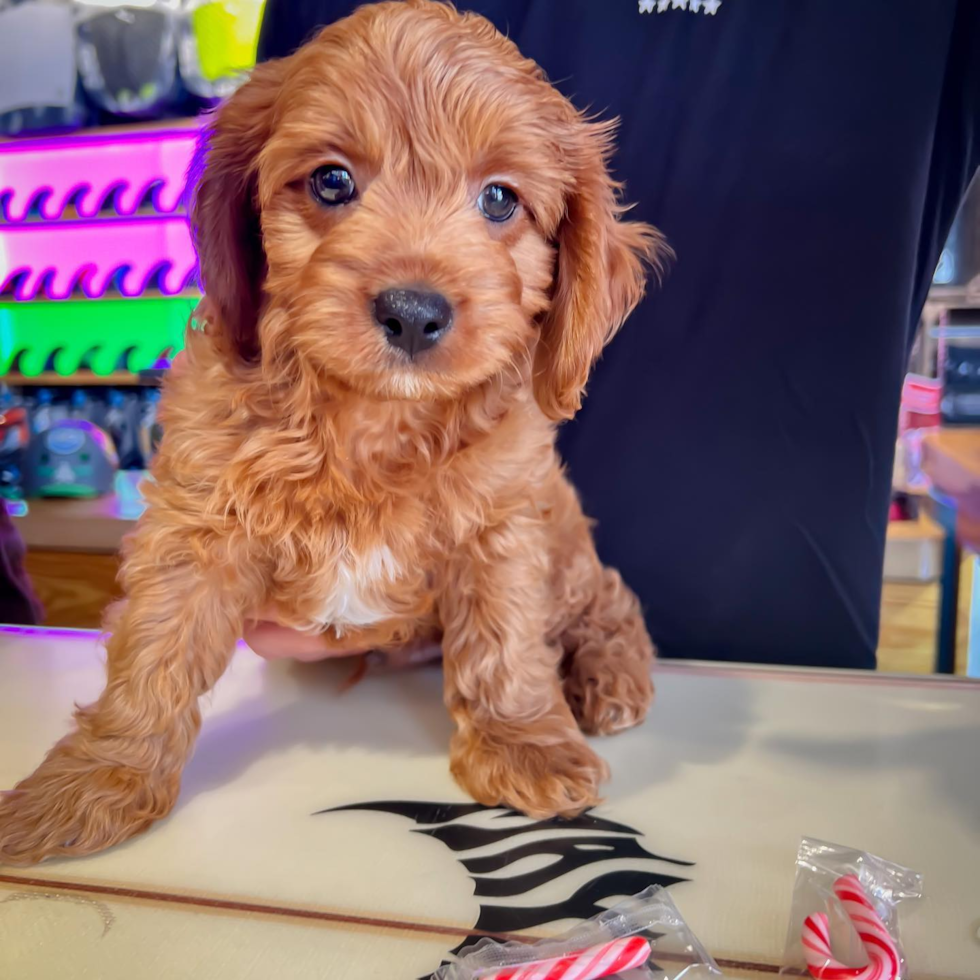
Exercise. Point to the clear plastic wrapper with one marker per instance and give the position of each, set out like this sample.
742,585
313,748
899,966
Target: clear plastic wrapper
673,951
821,889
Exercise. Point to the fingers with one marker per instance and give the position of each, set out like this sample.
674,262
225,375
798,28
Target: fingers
418,652
274,642
968,529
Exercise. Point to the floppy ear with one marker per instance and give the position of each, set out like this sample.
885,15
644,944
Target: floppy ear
224,216
601,273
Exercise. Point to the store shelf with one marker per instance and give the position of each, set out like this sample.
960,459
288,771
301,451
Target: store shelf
191,294
83,336
96,525
121,129
913,550
86,171
81,379
57,258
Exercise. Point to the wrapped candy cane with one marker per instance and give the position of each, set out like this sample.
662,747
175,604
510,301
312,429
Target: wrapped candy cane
883,957
853,886
645,934
590,964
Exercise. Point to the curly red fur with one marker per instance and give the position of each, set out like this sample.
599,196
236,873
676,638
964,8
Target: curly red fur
310,466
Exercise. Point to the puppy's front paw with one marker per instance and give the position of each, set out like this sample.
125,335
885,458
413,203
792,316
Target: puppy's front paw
607,694
541,780
71,806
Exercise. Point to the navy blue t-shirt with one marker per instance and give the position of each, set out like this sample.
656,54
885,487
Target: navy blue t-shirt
805,159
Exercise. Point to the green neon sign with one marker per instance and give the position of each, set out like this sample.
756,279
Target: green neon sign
103,335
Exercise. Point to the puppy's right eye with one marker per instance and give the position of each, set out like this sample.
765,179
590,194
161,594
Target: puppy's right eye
497,202
332,184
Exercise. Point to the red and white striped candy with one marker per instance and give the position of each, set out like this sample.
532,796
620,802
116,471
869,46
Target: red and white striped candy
883,959
590,964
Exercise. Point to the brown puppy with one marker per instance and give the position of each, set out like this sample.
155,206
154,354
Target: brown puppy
412,253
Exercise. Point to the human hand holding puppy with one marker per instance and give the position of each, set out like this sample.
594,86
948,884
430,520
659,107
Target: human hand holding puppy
273,641
412,253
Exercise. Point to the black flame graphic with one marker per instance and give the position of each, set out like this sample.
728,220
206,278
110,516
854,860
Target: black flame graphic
579,842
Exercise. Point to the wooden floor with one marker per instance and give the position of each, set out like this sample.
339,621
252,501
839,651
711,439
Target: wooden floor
909,613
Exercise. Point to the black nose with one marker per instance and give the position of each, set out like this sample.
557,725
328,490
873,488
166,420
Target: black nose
413,320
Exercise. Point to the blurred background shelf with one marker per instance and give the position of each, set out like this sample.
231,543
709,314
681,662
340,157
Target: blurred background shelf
81,379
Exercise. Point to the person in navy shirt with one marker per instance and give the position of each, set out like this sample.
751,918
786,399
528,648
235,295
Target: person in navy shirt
805,160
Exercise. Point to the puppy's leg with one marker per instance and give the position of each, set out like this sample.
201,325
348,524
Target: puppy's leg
609,656
516,742
598,622
120,769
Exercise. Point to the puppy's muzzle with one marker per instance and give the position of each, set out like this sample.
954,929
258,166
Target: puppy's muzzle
413,320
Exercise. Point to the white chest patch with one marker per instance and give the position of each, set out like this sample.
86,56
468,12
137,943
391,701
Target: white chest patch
355,597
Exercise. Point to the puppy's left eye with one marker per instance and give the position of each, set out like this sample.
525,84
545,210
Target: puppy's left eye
332,184
498,203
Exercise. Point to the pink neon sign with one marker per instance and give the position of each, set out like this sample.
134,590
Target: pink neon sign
87,255
52,171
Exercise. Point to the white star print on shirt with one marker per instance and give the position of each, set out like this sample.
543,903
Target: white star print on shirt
662,5
646,6
711,6
682,4
695,6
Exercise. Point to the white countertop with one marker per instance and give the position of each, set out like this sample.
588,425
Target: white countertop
246,880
